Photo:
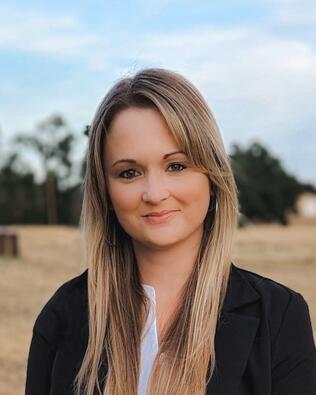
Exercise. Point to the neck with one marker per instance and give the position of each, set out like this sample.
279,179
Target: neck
167,269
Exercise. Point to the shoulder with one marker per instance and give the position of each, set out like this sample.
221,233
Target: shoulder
284,313
280,304
76,284
270,290
67,301
75,288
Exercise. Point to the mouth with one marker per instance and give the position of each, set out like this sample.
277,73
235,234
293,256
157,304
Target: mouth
160,213
161,218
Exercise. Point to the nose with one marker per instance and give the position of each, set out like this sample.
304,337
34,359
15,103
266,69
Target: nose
155,189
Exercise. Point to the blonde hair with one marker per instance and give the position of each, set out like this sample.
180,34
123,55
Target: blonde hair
185,361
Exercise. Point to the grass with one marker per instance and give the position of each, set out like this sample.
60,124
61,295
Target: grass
51,255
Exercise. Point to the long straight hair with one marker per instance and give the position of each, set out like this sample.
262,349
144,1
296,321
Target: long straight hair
186,360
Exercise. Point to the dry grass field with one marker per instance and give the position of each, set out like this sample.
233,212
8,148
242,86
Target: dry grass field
53,255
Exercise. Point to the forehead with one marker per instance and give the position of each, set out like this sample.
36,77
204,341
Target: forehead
135,130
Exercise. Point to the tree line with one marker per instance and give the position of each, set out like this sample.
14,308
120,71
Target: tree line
267,192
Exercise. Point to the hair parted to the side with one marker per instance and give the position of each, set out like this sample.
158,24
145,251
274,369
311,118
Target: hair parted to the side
116,299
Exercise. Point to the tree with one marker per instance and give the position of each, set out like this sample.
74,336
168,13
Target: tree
52,142
266,192
21,199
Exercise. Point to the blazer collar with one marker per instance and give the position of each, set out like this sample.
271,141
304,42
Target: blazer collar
239,292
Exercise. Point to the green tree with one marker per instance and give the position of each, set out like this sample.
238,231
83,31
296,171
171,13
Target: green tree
266,191
52,141
21,199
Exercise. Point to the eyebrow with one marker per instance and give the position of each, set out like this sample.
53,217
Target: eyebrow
166,156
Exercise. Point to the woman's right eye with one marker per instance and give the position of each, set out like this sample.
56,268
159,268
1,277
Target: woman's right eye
126,172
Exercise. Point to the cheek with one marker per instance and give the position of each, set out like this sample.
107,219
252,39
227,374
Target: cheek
124,199
198,195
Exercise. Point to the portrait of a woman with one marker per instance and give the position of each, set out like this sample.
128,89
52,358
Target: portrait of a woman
161,308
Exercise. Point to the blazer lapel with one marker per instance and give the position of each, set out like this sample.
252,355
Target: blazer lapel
235,334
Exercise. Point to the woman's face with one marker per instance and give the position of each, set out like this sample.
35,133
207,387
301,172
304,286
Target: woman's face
149,178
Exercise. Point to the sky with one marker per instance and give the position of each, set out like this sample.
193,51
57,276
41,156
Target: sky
253,60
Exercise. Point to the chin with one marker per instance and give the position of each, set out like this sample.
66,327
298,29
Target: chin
161,242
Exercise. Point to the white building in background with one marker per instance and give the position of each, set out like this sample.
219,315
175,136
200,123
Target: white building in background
306,205
306,209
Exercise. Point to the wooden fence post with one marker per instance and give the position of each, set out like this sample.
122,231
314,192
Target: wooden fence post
8,242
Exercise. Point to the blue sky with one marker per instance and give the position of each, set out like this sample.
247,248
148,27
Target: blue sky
254,61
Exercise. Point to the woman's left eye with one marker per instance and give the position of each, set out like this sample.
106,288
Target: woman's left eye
178,164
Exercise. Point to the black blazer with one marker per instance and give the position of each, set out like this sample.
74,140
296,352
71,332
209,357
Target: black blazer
264,340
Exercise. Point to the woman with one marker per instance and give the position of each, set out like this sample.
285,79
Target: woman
161,307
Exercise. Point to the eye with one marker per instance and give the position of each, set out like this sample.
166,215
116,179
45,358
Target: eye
129,172
126,172
178,164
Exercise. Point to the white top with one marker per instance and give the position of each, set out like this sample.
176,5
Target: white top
149,345
149,342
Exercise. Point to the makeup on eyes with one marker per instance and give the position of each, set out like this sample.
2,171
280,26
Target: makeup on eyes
182,164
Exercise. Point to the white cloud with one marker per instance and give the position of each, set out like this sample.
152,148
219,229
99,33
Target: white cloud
294,12
25,31
258,83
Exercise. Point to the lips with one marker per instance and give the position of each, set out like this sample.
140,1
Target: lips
159,214
160,218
